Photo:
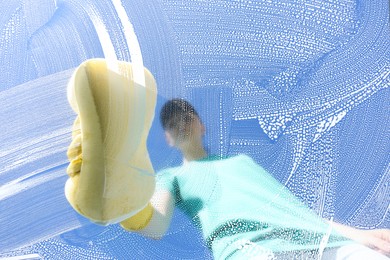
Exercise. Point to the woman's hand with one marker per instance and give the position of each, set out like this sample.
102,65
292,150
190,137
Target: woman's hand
75,150
377,239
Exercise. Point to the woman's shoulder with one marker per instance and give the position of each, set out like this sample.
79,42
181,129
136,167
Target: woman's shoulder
217,157
168,171
236,157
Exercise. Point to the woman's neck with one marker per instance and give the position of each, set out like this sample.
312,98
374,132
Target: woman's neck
193,152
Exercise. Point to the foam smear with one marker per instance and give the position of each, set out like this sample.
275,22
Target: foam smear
32,200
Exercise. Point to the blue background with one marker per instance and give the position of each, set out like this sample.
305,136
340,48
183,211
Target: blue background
301,86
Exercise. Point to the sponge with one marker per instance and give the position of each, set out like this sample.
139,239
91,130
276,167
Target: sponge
111,177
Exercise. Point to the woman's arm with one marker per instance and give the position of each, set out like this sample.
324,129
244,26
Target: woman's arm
163,207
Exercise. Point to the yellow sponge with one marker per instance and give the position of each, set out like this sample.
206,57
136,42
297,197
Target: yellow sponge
111,176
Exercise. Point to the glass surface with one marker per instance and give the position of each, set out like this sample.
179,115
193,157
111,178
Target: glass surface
300,86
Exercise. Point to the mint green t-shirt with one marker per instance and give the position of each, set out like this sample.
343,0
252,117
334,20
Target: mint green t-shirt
235,202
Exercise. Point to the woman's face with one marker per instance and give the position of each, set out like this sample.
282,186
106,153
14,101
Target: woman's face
191,132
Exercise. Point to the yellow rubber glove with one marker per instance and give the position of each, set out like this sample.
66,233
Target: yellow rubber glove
140,220
111,176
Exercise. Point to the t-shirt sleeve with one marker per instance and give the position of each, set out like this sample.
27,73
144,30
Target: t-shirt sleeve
165,180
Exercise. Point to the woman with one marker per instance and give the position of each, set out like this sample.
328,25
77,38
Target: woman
242,211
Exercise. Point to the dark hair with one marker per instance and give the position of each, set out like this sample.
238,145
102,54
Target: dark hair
176,114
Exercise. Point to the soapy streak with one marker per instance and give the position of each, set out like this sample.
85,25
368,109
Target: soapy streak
31,180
